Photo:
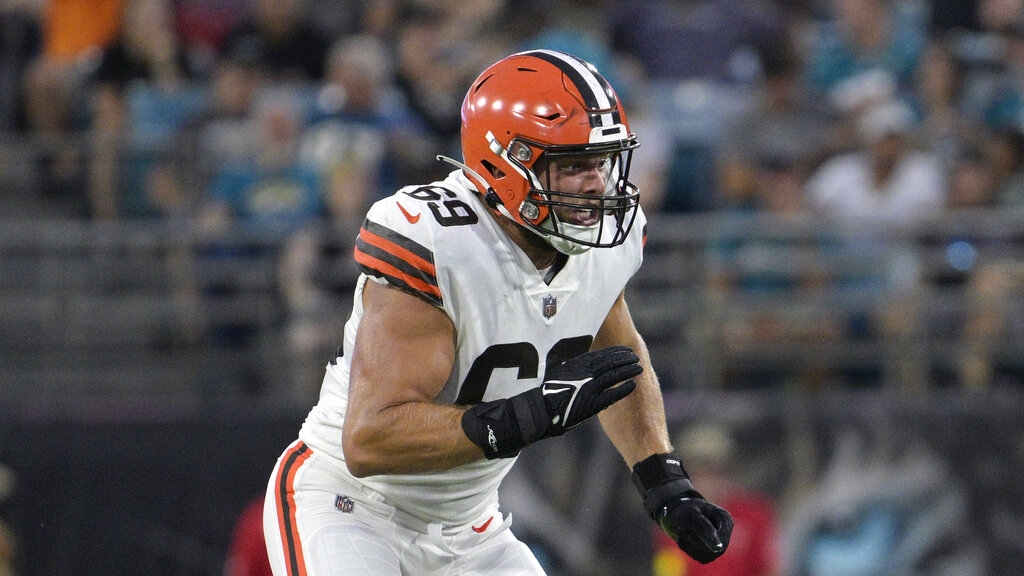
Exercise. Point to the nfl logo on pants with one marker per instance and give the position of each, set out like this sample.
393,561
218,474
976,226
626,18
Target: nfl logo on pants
344,503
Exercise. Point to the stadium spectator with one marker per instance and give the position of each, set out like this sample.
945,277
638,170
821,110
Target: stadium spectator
973,181
700,60
1000,95
885,180
351,139
749,263
54,96
870,194
276,35
219,134
679,40
439,49
140,84
1000,15
945,124
359,123
992,318
784,127
222,136
74,33
1006,150
380,18
20,43
867,36
271,188
248,212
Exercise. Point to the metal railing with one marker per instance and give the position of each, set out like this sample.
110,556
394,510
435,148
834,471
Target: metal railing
172,311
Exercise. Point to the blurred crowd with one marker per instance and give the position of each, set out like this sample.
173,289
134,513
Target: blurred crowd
285,110
274,114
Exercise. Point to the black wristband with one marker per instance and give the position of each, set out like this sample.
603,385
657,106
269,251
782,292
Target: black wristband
659,478
494,428
531,415
501,428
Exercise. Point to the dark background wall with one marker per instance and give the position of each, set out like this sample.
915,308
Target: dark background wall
157,491
135,496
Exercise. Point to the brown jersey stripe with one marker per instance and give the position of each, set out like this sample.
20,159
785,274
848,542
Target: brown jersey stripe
399,260
407,244
397,249
411,284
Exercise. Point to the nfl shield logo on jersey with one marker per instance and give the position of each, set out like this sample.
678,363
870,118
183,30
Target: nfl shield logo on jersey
550,306
344,503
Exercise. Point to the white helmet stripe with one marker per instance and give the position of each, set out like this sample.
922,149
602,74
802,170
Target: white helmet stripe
596,91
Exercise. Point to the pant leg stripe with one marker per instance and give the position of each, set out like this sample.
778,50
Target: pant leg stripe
294,459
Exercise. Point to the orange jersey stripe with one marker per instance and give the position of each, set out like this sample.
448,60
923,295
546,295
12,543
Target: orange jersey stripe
392,248
285,500
413,282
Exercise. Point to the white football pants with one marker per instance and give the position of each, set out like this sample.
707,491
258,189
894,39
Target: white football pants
316,525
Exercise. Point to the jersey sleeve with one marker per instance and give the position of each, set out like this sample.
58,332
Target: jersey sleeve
395,245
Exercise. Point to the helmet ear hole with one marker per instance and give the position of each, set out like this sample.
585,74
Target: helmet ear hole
493,170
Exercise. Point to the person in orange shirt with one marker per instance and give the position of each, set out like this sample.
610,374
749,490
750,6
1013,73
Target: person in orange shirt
710,453
53,90
74,32
73,27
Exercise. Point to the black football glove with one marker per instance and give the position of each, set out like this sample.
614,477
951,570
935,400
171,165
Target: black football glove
700,528
570,395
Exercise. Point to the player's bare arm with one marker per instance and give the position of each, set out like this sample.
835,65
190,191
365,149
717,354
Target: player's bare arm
635,425
403,356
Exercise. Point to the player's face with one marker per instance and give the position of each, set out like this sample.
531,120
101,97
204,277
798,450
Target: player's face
586,175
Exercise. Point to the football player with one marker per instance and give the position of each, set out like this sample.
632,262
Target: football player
489,315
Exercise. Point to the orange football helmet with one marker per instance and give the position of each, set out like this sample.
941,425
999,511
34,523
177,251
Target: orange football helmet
539,106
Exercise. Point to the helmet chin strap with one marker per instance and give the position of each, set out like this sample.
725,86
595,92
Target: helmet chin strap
567,247
571,247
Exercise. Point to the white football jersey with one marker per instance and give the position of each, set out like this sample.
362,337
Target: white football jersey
439,243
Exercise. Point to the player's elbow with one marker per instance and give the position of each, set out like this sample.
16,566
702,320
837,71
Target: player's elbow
361,458
360,468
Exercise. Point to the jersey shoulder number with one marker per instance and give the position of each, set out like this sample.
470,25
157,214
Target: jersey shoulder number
443,205
397,238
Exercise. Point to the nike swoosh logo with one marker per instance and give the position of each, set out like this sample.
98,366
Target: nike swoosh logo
573,383
412,219
479,529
